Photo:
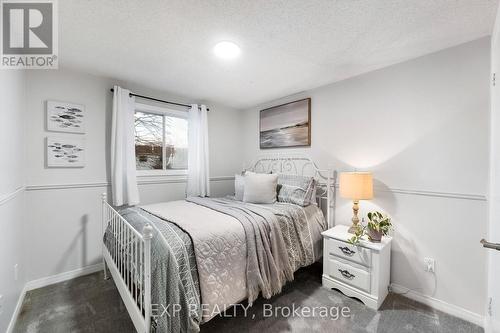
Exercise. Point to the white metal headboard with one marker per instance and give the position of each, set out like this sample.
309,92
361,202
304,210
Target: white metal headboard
303,166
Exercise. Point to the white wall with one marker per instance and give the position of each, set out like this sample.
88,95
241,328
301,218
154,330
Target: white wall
422,128
12,245
64,207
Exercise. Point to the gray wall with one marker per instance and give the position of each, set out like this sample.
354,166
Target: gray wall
12,248
422,128
64,215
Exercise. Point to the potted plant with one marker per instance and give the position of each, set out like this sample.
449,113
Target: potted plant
379,225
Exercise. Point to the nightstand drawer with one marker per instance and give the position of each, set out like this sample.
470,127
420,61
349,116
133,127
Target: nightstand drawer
348,274
349,252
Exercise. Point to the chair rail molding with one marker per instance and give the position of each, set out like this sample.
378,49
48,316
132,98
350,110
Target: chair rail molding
153,180
438,194
143,180
7,197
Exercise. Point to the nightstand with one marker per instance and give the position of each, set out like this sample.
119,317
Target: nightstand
361,271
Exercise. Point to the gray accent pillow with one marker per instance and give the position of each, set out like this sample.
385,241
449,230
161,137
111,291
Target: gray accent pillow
239,187
299,190
313,192
260,188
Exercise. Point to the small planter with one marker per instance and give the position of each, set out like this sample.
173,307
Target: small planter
376,220
374,235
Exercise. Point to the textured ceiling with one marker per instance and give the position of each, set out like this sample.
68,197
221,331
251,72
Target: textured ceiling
287,46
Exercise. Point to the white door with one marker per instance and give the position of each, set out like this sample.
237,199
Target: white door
493,306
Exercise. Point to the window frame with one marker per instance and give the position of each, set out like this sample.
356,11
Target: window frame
162,111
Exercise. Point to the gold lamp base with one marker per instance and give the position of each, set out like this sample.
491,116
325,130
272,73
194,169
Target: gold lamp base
352,229
355,218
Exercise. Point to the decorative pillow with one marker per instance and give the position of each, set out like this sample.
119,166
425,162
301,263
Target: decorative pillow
239,187
299,190
313,191
260,188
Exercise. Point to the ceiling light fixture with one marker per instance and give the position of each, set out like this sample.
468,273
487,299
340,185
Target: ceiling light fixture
226,50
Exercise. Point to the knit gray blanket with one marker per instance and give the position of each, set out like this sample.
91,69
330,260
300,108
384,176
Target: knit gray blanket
175,294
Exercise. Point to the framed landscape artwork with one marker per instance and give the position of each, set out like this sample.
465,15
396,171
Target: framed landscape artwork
65,117
286,125
65,152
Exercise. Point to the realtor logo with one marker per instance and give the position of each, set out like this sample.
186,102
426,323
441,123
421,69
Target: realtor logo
29,34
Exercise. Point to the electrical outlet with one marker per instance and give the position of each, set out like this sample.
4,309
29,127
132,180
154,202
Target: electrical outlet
16,272
430,265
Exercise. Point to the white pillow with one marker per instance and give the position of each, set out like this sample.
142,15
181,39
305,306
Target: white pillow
260,188
239,187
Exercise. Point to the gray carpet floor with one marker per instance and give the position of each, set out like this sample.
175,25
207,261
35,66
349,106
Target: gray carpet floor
90,304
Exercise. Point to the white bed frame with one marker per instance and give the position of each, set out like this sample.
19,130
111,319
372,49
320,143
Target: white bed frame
129,262
129,259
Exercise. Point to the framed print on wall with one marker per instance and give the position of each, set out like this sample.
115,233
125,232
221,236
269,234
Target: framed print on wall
286,125
65,117
64,152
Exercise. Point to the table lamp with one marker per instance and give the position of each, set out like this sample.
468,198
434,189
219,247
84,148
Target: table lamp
356,186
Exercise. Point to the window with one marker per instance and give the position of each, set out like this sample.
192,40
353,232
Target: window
161,137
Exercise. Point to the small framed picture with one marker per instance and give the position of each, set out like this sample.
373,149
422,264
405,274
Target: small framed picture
64,152
65,117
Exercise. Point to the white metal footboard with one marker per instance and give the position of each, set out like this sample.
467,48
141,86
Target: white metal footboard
127,254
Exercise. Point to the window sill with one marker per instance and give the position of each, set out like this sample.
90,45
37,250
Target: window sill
161,176
155,173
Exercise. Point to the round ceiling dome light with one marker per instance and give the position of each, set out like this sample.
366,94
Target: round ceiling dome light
226,50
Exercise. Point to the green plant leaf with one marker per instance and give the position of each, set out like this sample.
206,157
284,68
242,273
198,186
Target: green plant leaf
379,222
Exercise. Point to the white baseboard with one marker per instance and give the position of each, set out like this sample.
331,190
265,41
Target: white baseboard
47,281
433,302
440,305
19,305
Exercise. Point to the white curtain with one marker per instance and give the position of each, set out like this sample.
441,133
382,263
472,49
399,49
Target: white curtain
123,172
198,172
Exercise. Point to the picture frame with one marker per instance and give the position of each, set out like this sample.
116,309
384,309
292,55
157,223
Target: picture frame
65,117
65,152
286,125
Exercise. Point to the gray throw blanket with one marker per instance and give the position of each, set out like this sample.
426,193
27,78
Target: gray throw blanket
269,265
174,277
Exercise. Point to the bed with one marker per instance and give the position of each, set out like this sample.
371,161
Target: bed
178,264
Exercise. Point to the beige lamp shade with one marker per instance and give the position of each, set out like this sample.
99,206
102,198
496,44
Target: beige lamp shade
356,185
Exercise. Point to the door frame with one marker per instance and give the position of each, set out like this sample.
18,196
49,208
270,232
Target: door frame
492,311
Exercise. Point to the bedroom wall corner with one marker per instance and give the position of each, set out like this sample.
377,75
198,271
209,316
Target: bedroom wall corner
12,210
66,201
421,126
